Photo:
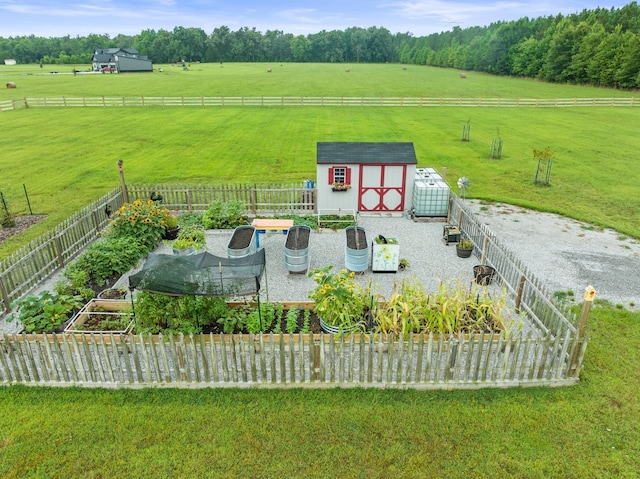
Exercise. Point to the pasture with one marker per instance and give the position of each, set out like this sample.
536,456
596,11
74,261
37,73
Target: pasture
67,157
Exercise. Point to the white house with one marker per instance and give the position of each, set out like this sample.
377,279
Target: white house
365,176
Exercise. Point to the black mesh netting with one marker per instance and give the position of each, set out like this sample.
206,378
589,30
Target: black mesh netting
201,274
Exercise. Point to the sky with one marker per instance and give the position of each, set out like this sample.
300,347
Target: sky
56,18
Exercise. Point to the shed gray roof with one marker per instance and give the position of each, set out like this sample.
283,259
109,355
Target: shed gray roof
366,153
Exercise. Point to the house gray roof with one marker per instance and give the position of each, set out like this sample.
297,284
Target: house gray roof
366,153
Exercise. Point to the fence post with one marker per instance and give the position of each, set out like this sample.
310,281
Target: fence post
485,246
125,193
589,295
189,204
58,248
96,221
523,280
252,195
5,296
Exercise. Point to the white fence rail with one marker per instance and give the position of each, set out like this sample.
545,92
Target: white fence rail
282,101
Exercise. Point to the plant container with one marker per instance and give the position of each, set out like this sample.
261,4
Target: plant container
296,249
356,255
385,257
242,242
108,308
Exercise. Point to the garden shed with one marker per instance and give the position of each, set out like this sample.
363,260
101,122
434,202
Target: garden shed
365,176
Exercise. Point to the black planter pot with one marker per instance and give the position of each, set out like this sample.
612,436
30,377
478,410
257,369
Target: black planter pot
171,234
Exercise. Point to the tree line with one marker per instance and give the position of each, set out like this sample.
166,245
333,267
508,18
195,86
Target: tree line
597,47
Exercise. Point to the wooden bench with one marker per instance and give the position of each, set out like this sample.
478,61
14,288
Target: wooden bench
263,225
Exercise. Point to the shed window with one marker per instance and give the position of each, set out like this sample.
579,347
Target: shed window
340,175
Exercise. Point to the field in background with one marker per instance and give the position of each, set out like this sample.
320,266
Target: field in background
67,157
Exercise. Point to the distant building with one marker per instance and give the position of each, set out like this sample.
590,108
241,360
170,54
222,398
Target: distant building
9,61
121,60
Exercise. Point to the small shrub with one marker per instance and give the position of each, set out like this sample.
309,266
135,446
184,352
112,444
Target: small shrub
224,215
143,220
158,313
110,258
45,312
186,220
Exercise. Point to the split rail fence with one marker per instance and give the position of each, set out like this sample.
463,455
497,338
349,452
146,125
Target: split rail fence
549,353
313,101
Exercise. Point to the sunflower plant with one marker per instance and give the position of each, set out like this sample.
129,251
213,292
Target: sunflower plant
339,300
144,220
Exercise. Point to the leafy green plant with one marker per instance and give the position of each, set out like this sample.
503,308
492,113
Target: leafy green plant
261,319
158,313
291,320
189,219
191,235
224,215
106,259
144,220
306,327
465,244
44,312
234,320
339,300
300,220
75,283
384,240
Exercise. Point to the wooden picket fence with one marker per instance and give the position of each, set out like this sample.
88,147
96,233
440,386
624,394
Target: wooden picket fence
313,101
529,292
22,271
259,199
287,360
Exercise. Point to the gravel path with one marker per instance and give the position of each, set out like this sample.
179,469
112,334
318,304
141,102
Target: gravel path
567,254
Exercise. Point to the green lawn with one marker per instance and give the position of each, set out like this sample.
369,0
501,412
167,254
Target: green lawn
586,431
66,158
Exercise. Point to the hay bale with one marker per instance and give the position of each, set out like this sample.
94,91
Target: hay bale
404,68
11,84
347,70
463,75
268,70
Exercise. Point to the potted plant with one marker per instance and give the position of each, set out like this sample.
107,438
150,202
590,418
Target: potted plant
337,186
171,228
464,248
190,239
403,264
340,302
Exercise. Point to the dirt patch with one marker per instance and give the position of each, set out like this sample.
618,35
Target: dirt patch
298,238
22,223
241,238
356,241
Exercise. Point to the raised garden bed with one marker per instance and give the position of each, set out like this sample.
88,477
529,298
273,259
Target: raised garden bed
103,316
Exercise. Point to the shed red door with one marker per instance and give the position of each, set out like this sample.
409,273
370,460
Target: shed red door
382,188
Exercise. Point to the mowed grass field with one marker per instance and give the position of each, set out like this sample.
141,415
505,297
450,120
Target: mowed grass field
66,157
581,432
